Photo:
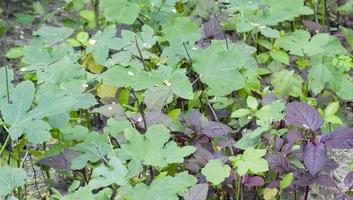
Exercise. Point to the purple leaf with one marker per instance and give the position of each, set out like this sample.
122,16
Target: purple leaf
212,29
341,138
325,180
304,179
315,156
253,181
348,180
294,136
111,110
197,192
313,26
330,165
215,129
194,120
278,162
60,161
304,116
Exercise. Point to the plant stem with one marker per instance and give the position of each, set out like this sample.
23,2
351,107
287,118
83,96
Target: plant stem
237,194
140,108
4,50
306,192
96,12
140,54
326,16
8,138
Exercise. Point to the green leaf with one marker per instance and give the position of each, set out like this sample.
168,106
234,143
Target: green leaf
51,35
14,52
120,11
332,108
280,56
215,171
251,161
100,44
216,67
166,188
299,43
87,194
240,113
103,176
270,113
252,102
10,179
152,148
22,120
269,32
181,31
286,180
287,83
92,151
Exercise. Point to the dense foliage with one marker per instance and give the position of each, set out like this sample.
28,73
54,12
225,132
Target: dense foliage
170,99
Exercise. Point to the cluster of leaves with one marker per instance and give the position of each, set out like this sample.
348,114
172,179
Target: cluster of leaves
168,99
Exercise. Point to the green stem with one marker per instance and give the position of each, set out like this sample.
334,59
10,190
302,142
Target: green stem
6,141
237,195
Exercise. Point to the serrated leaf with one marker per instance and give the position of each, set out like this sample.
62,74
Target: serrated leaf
215,171
341,138
303,115
314,156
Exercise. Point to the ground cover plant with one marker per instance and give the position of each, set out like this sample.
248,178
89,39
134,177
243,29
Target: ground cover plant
176,99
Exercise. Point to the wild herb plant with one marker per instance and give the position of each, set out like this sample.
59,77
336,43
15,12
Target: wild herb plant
164,100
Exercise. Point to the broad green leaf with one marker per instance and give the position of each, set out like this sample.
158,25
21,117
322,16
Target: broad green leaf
270,113
216,67
10,179
251,161
181,31
152,148
100,44
299,43
215,171
92,151
270,193
103,176
87,194
24,120
165,188
287,83
120,11
51,35
280,56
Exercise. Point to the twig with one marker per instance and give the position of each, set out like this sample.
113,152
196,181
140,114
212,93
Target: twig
140,54
187,52
34,175
140,108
